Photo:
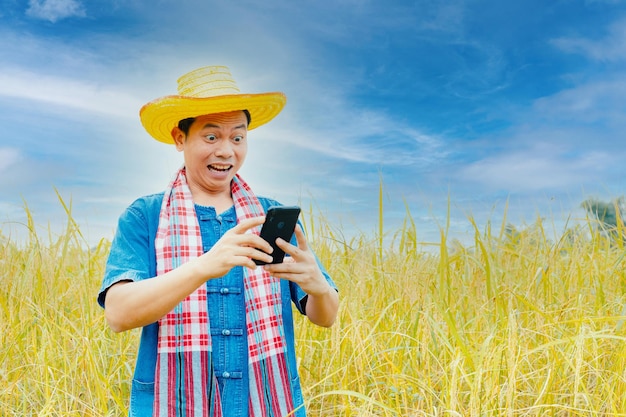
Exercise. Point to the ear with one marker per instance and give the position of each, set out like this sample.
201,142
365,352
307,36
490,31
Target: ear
179,138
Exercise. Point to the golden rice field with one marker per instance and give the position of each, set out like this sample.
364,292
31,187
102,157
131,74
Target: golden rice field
509,325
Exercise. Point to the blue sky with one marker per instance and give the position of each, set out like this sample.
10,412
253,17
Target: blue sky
486,107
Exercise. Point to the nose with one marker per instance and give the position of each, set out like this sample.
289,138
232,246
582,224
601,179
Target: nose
224,149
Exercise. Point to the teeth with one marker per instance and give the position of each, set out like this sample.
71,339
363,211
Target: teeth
219,167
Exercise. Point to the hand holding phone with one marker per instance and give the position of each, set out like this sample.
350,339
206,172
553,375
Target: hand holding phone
280,222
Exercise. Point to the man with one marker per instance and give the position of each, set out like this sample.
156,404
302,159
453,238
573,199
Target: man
217,334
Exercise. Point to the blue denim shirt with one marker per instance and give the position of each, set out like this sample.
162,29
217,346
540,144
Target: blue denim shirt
132,257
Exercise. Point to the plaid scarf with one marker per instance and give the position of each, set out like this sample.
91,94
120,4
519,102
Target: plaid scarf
185,383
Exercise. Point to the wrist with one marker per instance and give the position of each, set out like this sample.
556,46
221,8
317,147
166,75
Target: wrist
198,270
323,293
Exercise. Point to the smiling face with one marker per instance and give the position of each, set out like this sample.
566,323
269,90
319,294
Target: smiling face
214,149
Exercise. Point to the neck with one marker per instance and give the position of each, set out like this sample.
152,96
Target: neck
221,200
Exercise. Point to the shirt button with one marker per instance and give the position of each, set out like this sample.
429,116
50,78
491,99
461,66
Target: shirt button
224,291
226,332
226,375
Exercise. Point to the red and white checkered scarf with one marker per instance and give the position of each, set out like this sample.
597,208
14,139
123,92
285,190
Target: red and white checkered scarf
185,384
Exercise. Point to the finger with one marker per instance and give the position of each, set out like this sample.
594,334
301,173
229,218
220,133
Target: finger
258,242
247,224
277,271
288,265
249,253
260,256
249,263
301,238
288,277
246,240
288,248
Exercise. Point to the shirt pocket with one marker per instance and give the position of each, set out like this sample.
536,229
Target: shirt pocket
141,399
298,398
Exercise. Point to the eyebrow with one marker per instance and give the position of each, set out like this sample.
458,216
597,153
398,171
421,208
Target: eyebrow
241,126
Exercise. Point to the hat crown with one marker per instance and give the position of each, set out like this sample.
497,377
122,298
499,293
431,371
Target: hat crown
208,81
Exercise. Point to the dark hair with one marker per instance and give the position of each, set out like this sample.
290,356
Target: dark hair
185,124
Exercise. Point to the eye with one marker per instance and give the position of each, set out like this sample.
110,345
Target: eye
238,139
210,137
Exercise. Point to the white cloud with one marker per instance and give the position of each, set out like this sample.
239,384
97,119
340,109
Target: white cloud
598,100
539,167
57,91
367,136
54,10
8,157
610,48
569,140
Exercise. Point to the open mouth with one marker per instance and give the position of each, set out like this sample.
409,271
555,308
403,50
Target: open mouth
219,168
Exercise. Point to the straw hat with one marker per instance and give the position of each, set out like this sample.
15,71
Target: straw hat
207,90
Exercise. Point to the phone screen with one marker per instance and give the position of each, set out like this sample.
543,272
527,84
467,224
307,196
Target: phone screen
280,222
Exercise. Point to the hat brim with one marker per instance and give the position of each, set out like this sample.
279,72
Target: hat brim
160,116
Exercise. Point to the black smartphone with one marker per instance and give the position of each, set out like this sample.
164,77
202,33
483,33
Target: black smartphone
280,222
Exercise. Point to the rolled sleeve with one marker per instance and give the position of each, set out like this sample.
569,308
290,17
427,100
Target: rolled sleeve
131,257
299,297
